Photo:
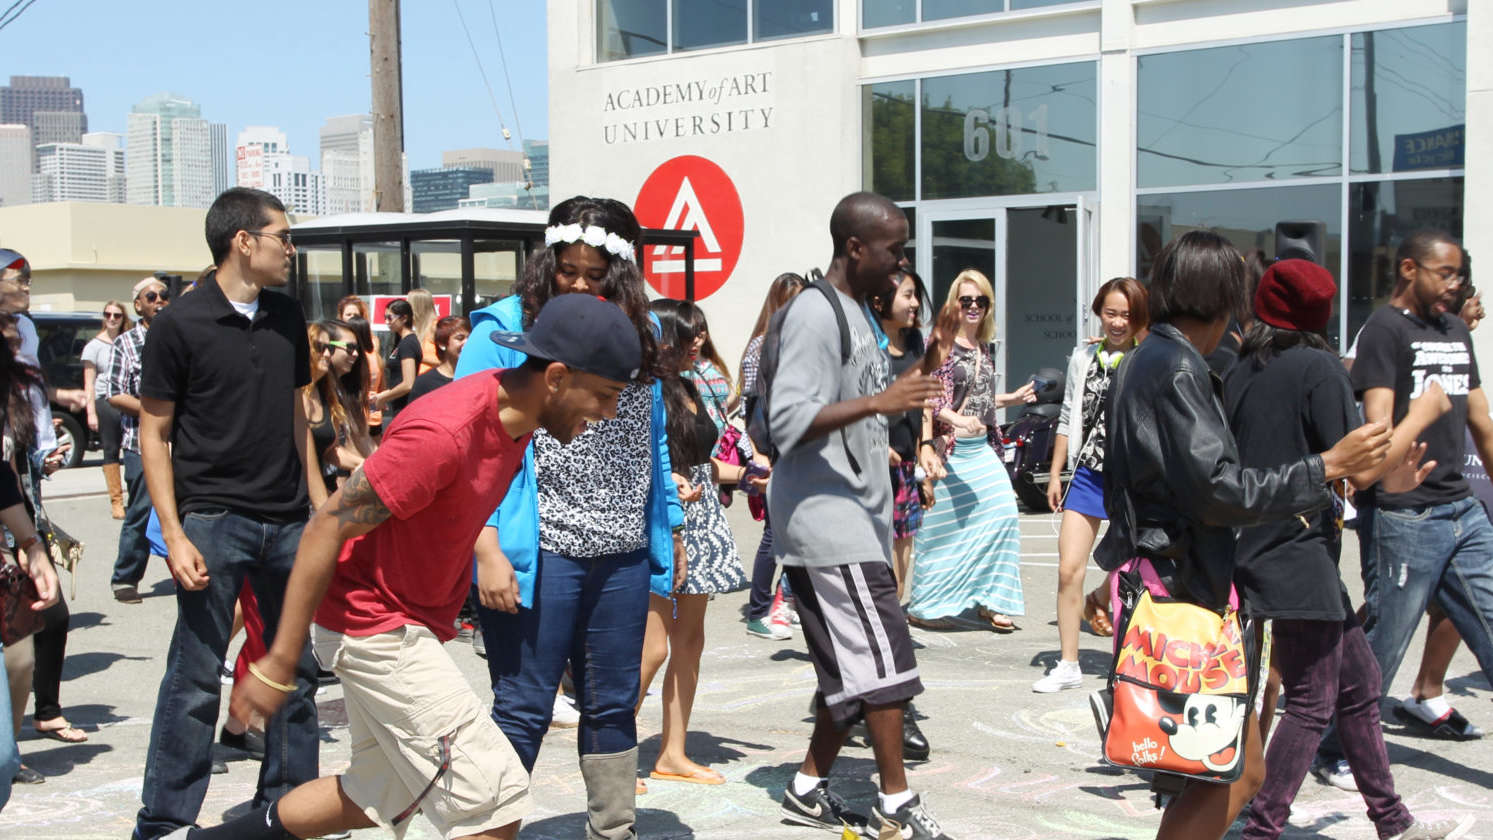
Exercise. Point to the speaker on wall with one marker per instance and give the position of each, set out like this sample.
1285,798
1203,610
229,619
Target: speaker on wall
1300,240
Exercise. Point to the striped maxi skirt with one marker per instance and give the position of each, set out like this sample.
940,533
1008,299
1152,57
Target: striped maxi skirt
968,552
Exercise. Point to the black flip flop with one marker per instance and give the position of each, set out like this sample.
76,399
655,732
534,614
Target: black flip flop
1452,726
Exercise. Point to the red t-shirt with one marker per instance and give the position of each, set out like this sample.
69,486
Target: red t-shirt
442,469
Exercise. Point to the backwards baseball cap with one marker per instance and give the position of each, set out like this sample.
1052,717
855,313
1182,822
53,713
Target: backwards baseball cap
1295,295
584,333
13,259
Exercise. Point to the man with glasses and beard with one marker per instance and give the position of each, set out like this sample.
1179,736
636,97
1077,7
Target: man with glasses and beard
225,446
1434,541
123,390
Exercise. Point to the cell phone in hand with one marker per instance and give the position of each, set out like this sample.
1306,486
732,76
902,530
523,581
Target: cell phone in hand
1039,384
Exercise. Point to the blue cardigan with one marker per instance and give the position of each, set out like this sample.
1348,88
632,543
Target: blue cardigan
517,518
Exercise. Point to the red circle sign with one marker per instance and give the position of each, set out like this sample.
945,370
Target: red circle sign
691,193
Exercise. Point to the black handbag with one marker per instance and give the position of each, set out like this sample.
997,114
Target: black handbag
17,593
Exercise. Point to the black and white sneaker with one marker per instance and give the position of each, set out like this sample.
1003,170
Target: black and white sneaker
819,808
1100,703
911,822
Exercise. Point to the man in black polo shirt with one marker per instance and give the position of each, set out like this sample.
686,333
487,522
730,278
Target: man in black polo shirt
223,439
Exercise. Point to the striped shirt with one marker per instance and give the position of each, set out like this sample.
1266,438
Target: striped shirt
124,378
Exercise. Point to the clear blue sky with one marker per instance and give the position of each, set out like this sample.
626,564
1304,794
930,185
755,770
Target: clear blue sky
291,64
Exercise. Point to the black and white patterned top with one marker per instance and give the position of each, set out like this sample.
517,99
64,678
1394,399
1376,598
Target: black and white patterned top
124,379
1095,386
593,493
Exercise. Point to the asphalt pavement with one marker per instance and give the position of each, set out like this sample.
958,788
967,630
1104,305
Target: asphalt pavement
1006,763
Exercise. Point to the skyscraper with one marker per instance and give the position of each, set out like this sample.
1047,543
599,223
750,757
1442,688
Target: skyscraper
92,170
265,162
537,160
15,164
347,163
170,158
49,106
222,158
505,164
441,189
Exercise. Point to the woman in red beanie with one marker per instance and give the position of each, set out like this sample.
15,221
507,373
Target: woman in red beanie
1287,397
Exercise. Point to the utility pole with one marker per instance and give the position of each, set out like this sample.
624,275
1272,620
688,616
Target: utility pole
388,105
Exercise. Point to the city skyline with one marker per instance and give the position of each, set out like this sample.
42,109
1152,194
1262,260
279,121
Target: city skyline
296,77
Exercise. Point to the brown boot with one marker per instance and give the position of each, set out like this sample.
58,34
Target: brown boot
116,490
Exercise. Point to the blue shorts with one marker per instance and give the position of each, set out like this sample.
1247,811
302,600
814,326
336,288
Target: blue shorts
1086,493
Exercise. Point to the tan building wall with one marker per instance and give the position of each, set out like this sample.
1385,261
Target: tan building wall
85,254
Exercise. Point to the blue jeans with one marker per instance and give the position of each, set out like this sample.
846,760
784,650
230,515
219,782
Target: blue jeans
759,601
10,756
590,612
179,758
134,548
1412,555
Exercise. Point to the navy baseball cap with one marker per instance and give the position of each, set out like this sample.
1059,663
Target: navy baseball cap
584,333
13,259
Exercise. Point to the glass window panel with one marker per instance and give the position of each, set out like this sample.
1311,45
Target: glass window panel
887,12
940,9
891,123
1409,98
495,266
319,277
910,250
628,28
1041,290
376,271
959,244
1379,217
1248,112
787,18
1034,4
437,267
1246,218
1008,132
709,23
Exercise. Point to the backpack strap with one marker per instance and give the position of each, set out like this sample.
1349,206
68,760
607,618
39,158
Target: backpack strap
817,281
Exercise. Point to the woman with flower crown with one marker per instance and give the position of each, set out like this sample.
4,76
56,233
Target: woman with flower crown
565,565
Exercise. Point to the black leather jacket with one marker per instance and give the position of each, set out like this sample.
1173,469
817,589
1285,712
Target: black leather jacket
1173,486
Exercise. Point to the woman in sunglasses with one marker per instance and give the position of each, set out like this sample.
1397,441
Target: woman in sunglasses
334,402
969,547
102,417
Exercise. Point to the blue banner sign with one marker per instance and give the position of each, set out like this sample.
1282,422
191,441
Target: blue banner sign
1439,149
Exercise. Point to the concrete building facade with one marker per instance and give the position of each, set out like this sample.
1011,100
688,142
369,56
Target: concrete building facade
174,157
48,105
1345,121
505,164
15,164
92,170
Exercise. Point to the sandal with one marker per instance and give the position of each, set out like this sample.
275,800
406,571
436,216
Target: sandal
999,622
1096,613
66,733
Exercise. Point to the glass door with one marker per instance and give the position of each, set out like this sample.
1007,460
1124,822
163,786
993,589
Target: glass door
1035,256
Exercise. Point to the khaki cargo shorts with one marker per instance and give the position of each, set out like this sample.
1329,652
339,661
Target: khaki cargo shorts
403,694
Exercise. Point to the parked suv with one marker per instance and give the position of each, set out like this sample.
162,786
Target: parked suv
61,337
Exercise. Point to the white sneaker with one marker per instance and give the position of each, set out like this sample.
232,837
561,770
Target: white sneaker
565,715
780,618
1334,773
1063,675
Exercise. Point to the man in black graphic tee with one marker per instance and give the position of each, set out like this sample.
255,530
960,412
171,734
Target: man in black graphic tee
1434,541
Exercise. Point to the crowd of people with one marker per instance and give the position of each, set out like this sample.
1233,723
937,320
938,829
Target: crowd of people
559,465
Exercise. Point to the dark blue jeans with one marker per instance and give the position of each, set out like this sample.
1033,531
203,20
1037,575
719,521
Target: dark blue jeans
10,757
1413,555
759,601
179,758
134,548
589,612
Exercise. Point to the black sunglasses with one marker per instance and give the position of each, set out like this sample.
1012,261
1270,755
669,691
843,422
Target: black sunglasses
969,302
440,770
153,296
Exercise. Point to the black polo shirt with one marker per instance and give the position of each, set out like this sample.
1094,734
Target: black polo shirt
234,385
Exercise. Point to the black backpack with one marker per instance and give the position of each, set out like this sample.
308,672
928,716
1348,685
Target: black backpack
758,407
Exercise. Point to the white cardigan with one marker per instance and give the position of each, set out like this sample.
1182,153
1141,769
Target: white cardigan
1070,418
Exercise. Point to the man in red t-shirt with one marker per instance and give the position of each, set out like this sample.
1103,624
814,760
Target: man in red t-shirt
385,565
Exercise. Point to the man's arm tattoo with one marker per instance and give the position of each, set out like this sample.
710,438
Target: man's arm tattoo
360,505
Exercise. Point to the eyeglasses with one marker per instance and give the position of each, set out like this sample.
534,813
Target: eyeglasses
113,316
283,236
323,346
1450,276
440,770
153,296
970,302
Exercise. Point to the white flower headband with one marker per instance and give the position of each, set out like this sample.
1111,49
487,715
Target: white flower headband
593,235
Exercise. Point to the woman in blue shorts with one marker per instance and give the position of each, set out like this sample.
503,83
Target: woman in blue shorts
1121,309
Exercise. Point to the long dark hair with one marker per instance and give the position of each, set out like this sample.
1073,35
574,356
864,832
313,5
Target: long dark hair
708,353
401,309
1262,342
16,379
351,388
622,284
363,331
676,335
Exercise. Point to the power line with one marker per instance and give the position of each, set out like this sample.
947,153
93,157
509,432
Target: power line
491,97
8,21
508,81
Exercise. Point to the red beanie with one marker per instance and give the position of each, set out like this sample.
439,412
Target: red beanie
1295,295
